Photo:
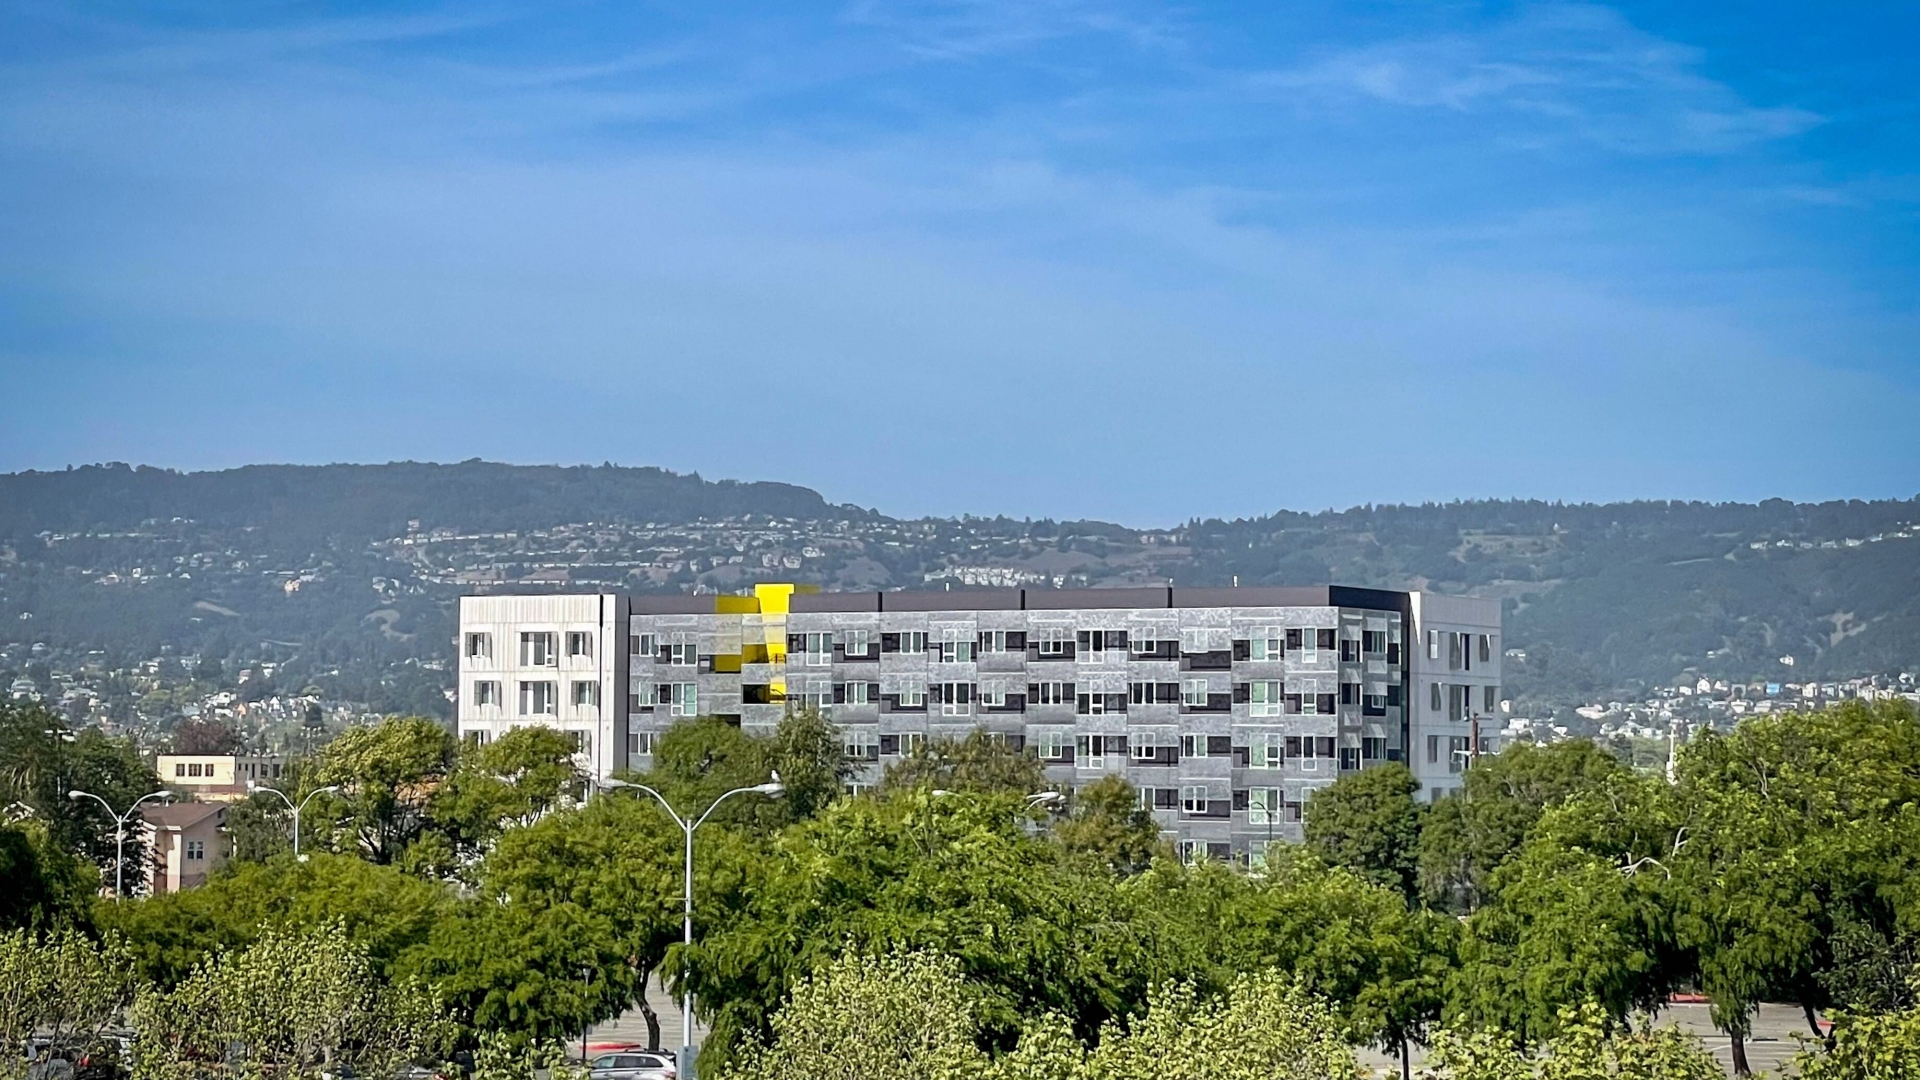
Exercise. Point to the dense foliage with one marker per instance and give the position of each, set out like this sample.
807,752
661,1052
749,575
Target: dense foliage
1525,929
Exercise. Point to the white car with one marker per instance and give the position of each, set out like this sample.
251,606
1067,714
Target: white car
633,1065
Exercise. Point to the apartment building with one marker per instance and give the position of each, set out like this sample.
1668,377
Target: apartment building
1225,708
216,777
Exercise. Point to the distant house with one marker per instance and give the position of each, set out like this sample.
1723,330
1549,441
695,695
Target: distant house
187,841
216,777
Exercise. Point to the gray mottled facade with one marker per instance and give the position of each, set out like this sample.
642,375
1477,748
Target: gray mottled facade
1225,708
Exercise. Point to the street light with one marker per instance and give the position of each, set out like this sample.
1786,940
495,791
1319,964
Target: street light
773,789
255,787
119,828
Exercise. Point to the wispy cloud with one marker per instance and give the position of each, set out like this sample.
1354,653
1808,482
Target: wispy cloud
1560,71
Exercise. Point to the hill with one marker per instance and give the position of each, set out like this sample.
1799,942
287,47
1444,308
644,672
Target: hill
348,572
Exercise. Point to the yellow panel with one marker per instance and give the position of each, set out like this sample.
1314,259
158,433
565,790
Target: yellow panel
773,597
727,663
738,605
777,690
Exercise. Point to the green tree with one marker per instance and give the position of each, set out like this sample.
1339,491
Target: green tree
1106,822
1465,838
47,888
811,757
903,1016
1588,1046
1868,1046
292,1003
388,774
1369,822
512,781
41,759
63,987
979,763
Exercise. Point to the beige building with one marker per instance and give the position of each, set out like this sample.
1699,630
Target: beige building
187,841
216,777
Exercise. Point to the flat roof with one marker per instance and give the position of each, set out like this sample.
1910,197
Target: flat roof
1157,596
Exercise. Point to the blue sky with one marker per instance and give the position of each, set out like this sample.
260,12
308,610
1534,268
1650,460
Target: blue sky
1133,261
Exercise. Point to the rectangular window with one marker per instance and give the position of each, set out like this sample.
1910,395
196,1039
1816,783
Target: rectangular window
179,768
1456,753
486,692
857,693
912,742
539,698
1433,644
1142,643
1436,702
993,641
1095,644
1373,642
1055,642
1265,697
1324,746
1054,743
991,697
586,693
1349,651
913,641
1193,800
1325,702
1324,638
582,741
1142,748
1194,639
683,698
196,850
816,650
579,644
956,650
1193,693
1193,746
1265,750
640,645
862,742
1091,750
639,743
1050,693
1349,757
682,654
1486,648
1263,806
1433,749
913,697
1269,643
1373,748
479,646
537,650
1491,698
856,643
956,698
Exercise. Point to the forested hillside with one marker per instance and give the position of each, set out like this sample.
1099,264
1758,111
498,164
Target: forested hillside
353,569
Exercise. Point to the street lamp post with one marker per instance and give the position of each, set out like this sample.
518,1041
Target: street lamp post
773,789
254,787
119,830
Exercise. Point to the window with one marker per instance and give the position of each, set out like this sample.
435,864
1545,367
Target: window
1091,751
1193,693
856,693
1349,651
1193,746
1486,648
1142,748
1491,698
1433,749
1326,705
1264,698
856,642
1263,806
1456,753
1055,743
537,650
682,654
993,641
1094,644
991,697
814,697
1193,800
196,850
641,694
1349,757
579,644
913,697
1269,643
1194,639
539,698
1055,641
1265,750
1373,748
1050,693
1324,746
1143,643
683,698
912,742
1193,851
913,641
640,645
586,693
1437,705
582,741
1373,641
479,646
862,742
1373,704
955,649
179,768
956,698
1433,644
1256,854
816,650
486,692
1324,638
639,743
